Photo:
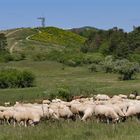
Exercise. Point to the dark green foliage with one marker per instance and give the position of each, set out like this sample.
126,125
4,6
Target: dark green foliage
114,42
93,68
5,57
134,57
64,93
134,40
41,56
3,42
94,41
84,31
13,78
18,56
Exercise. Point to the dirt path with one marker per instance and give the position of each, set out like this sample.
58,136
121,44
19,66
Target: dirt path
15,43
28,37
12,32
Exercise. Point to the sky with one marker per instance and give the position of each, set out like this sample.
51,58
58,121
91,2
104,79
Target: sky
103,14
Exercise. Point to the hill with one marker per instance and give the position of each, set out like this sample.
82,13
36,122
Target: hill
32,41
53,35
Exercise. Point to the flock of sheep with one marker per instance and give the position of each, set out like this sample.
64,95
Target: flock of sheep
101,107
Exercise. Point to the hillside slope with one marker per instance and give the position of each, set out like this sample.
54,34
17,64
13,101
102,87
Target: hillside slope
53,35
35,40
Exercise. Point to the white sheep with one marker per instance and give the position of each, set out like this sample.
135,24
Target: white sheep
104,112
102,97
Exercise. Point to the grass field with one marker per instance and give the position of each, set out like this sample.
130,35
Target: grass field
51,75
73,131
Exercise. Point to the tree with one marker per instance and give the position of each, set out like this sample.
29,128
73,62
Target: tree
3,42
126,69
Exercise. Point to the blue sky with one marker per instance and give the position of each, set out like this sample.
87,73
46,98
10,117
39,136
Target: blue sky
102,14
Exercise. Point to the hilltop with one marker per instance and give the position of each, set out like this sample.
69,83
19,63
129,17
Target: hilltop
85,31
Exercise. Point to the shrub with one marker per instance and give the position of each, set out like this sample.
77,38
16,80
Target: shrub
41,56
93,68
93,58
126,69
64,93
13,78
134,58
5,57
71,63
18,56
108,64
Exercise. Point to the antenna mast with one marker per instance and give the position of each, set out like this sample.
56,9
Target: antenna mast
42,19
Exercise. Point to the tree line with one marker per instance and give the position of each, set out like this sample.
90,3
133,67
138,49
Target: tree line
114,42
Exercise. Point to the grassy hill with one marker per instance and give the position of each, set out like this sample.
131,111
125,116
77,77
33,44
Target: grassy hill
32,41
53,35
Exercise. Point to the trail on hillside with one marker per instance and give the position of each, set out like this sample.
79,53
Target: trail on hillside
13,46
15,43
28,37
12,32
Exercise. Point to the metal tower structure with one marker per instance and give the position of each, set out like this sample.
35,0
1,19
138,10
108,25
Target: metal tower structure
42,19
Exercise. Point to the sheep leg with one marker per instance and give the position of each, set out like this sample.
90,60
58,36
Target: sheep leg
25,123
14,123
107,119
8,122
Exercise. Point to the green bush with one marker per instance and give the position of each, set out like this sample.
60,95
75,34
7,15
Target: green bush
108,64
93,68
5,57
134,58
69,58
18,56
41,56
71,63
13,78
93,58
63,93
126,69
